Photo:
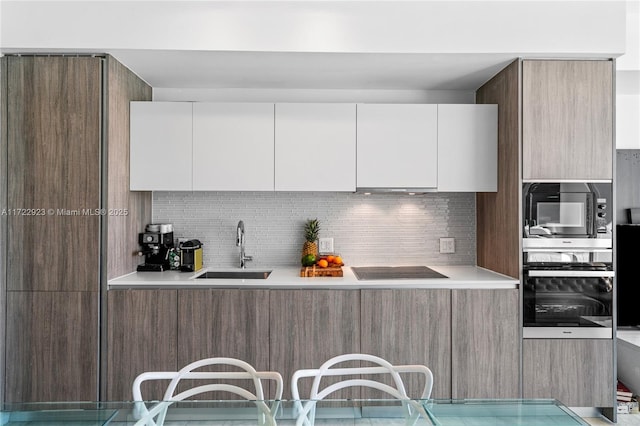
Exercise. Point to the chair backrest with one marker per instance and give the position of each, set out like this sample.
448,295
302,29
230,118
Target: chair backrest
155,415
398,391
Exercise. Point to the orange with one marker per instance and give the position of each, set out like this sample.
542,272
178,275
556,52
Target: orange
323,263
337,260
331,259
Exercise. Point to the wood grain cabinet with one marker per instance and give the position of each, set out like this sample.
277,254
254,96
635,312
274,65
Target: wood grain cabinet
467,148
308,327
142,336
315,147
224,323
410,327
65,138
397,146
233,146
567,119
485,344
577,372
52,345
53,125
161,146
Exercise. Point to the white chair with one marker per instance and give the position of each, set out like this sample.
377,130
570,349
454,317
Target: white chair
155,415
413,409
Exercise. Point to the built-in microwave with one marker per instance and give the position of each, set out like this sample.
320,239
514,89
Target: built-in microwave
566,211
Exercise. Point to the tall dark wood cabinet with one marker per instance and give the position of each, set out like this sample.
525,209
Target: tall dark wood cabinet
60,127
555,123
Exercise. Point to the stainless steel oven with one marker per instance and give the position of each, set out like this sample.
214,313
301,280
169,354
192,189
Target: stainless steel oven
568,293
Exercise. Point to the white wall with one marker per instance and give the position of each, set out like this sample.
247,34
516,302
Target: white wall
630,61
628,84
627,121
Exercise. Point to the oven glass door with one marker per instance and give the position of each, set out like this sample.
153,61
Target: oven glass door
567,295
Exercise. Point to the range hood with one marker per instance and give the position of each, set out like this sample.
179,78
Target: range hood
381,190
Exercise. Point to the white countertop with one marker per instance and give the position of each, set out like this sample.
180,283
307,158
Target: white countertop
468,277
630,337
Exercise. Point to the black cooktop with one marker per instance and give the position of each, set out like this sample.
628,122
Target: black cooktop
365,273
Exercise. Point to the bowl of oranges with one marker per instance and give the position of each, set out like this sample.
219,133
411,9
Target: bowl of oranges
329,260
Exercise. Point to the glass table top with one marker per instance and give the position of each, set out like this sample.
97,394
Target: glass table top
541,412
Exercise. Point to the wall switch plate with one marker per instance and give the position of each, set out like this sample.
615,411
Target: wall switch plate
447,245
325,245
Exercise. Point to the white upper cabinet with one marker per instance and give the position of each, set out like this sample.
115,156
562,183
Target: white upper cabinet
184,146
397,146
315,147
467,148
233,146
160,146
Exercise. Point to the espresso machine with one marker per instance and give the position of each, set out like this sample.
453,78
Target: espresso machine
156,243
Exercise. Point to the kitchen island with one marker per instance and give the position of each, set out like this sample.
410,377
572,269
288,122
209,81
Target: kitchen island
457,277
464,327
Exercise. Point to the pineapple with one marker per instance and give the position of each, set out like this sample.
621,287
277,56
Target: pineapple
311,229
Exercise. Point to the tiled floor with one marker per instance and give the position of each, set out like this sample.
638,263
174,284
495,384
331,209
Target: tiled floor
623,419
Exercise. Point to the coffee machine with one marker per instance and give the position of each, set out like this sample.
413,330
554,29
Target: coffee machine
191,256
156,243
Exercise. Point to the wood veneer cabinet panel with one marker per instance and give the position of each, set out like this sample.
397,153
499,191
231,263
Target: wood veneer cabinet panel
54,116
129,211
498,213
409,327
3,218
224,323
52,353
307,327
577,372
142,336
567,119
485,344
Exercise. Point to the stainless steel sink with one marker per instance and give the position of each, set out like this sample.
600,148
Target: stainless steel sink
239,275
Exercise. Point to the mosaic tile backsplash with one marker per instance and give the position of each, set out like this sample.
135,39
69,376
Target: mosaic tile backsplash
377,229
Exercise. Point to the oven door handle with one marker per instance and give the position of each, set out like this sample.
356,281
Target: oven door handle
569,250
560,274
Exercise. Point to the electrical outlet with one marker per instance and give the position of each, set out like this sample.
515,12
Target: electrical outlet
447,245
325,245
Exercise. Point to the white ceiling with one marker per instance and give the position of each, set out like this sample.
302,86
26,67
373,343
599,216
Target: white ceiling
381,45
286,70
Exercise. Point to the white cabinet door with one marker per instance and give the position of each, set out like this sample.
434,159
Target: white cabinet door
467,148
397,146
233,146
160,146
315,147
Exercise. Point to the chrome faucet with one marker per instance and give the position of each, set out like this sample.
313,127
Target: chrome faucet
240,243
